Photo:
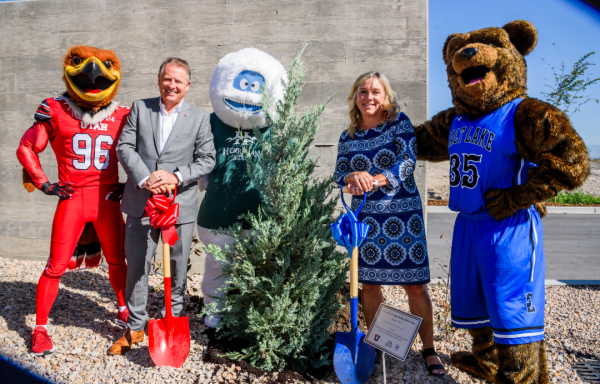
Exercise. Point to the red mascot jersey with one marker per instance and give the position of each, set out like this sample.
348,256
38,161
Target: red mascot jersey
85,154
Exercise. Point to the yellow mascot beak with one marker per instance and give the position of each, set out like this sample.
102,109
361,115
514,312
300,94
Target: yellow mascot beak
92,80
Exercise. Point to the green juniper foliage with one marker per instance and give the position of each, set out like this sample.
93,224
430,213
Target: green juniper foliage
282,279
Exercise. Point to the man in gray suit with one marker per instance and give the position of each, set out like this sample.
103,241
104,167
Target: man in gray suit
165,141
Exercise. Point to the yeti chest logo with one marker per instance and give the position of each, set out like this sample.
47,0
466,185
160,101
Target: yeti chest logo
237,153
530,307
247,139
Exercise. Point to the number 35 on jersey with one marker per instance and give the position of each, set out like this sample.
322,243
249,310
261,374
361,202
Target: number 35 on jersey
463,170
483,156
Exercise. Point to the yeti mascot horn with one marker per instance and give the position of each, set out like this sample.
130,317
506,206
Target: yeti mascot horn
235,87
236,94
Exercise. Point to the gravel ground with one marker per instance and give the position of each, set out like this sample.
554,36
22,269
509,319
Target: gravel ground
82,329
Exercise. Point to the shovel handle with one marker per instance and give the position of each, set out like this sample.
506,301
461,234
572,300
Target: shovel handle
166,259
167,248
354,273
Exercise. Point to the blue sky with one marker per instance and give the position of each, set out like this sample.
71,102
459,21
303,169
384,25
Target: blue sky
572,25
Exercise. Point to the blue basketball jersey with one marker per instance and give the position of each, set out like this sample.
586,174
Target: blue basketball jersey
483,156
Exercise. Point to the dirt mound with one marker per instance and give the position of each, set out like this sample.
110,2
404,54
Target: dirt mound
343,322
217,348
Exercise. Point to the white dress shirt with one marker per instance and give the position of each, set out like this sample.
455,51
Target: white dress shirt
166,121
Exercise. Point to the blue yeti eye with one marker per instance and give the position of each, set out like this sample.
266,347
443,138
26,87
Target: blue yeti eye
249,81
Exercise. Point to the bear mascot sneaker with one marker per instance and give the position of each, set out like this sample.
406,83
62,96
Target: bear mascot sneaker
508,154
83,127
236,89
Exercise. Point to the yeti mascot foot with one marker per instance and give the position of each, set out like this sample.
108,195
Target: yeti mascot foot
483,361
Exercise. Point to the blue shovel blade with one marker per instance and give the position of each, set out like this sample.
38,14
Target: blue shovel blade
353,359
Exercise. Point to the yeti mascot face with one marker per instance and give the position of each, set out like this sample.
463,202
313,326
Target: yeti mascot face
236,87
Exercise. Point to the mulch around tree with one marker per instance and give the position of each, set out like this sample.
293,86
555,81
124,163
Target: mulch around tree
217,348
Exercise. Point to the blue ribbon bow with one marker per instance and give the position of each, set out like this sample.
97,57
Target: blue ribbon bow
347,230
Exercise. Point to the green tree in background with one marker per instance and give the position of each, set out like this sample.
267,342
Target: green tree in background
568,87
284,276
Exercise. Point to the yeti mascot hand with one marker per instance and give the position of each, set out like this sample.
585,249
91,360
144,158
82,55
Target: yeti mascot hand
508,153
236,96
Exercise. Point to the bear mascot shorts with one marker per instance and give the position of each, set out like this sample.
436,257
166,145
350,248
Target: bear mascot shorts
508,153
82,126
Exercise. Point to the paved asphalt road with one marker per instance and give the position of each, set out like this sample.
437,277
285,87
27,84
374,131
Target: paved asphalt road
571,244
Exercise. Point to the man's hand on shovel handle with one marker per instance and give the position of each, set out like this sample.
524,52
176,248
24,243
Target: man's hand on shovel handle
159,180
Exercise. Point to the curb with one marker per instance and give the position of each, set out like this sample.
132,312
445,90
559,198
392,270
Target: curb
572,282
548,282
551,210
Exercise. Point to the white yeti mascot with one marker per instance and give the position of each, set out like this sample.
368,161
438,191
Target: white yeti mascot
236,97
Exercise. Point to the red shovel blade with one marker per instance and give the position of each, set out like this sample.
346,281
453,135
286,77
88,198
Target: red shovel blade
169,341
169,337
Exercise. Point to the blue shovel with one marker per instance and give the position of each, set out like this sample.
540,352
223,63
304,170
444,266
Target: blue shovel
353,359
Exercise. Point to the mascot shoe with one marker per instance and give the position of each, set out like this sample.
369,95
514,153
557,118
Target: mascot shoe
41,344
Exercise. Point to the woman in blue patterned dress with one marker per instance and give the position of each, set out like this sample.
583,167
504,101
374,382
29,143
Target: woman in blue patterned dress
377,155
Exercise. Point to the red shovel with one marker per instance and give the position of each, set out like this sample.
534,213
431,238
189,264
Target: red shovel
169,337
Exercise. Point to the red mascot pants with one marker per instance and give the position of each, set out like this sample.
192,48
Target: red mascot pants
87,205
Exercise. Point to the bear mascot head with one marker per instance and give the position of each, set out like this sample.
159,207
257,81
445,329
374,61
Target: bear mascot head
486,68
507,152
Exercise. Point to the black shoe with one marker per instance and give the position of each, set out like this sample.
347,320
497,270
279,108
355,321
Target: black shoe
430,368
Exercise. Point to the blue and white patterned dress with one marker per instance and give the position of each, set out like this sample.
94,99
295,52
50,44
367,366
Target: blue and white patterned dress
395,250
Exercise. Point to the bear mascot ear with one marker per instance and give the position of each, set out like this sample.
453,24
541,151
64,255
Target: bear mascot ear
445,49
522,35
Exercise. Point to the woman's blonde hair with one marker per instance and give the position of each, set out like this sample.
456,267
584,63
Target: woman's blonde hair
391,108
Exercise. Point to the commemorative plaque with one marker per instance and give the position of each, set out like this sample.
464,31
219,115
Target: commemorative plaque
393,331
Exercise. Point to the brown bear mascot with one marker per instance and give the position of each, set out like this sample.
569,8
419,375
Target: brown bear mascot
508,153
83,127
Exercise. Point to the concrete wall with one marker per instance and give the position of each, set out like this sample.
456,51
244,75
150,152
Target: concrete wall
347,38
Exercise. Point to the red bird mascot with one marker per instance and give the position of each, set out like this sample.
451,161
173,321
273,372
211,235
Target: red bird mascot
83,127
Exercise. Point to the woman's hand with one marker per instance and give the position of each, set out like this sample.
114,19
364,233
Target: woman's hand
359,182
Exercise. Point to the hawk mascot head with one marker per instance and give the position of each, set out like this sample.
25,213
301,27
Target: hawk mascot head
92,76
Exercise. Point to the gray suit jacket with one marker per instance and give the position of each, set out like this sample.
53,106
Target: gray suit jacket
189,150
